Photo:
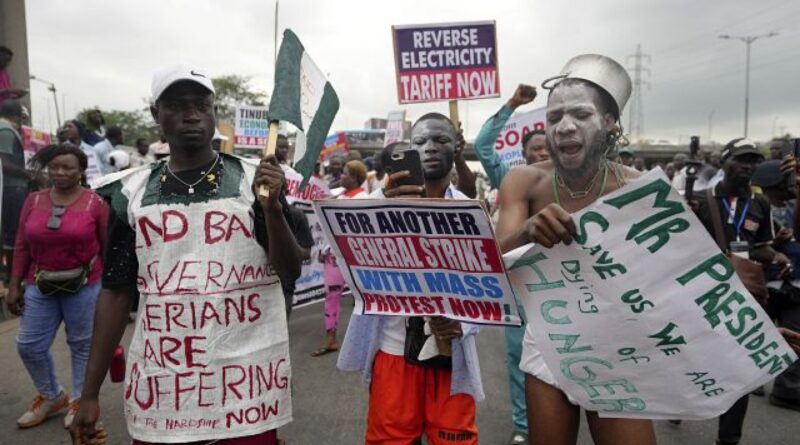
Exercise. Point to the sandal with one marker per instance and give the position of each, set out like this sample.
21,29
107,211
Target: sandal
324,350
518,438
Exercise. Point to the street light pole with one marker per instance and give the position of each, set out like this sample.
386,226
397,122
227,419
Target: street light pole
52,88
748,40
710,124
275,36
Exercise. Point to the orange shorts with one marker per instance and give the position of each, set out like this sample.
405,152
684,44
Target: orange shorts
407,401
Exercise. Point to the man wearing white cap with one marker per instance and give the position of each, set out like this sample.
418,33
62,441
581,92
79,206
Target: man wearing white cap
209,359
583,109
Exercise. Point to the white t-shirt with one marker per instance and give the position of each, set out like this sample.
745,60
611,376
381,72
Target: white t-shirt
102,149
393,331
93,162
679,180
393,336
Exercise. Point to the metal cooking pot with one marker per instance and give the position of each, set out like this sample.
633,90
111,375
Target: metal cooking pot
602,71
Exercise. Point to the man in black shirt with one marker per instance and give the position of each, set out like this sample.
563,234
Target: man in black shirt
746,216
298,223
747,231
772,177
208,255
15,179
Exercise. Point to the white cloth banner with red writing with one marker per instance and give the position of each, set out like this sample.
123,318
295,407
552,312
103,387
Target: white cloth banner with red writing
420,257
210,355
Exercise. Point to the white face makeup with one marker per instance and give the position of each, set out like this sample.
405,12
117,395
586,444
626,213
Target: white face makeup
435,141
576,129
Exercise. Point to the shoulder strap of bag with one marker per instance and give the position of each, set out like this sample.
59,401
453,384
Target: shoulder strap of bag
716,220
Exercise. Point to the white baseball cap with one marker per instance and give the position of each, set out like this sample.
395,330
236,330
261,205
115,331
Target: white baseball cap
121,159
165,77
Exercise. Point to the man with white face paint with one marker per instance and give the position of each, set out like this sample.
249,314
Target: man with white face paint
581,126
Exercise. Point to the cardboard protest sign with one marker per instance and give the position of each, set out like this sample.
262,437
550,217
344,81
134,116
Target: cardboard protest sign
420,257
310,286
251,127
509,141
394,127
335,145
316,188
446,61
643,316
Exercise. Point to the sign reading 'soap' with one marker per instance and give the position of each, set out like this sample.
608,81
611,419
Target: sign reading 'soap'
420,257
446,61
509,142
643,316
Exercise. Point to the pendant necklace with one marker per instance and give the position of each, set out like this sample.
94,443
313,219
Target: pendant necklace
202,176
557,179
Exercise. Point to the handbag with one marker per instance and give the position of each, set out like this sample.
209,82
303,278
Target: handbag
750,272
415,339
57,283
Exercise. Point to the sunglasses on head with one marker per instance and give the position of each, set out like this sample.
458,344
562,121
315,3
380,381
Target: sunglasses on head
54,223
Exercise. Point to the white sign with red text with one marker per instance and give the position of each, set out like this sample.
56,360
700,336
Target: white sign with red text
209,358
394,127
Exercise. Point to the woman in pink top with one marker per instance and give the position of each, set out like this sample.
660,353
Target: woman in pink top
61,229
354,174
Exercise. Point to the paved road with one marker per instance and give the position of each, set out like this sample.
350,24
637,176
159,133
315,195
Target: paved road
330,407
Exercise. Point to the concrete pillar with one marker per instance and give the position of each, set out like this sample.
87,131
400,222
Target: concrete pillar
14,34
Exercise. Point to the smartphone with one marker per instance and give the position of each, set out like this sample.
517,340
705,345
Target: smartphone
406,160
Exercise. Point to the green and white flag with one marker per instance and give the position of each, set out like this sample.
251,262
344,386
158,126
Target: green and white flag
303,97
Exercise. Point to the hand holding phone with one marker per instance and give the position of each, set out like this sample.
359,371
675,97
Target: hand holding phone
406,178
789,163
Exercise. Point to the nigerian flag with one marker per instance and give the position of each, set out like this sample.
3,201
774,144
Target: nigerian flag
304,98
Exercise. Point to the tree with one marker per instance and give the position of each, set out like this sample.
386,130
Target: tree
233,90
135,124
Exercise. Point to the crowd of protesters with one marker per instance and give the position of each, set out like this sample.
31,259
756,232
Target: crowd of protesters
71,253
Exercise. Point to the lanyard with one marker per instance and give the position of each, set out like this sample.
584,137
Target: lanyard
732,215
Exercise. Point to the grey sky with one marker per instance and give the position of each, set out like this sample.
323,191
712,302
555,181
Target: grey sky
103,53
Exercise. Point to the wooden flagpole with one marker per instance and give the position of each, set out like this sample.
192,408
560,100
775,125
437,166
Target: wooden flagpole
454,113
444,346
269,149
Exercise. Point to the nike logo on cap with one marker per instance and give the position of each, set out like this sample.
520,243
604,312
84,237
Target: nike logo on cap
193,73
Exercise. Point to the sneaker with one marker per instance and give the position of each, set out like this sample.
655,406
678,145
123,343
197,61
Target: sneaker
73,408
41,409
518,438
